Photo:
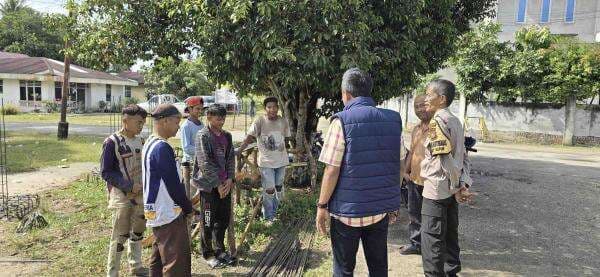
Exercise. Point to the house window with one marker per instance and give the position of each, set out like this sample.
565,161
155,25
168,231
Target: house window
522,8
31,91
127,92
57,90
108,93
545,18
570,11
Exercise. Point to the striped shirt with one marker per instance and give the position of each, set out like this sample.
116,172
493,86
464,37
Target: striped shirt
332,154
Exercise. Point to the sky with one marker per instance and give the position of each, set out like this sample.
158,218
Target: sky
48,6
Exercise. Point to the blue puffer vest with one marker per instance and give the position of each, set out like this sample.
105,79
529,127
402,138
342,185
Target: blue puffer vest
369,181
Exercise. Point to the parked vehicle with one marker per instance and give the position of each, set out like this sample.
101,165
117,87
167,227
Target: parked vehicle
208,100
156,100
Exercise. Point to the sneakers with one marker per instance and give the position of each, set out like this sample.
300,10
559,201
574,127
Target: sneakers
227,259
214,263
409,250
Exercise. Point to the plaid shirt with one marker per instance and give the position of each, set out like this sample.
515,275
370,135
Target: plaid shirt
332,154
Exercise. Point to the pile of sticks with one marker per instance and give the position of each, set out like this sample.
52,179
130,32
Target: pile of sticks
288,254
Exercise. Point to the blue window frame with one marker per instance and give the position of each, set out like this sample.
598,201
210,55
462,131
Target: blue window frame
522,8
570,11
546,4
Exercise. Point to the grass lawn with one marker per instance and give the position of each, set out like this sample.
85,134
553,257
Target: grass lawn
28,152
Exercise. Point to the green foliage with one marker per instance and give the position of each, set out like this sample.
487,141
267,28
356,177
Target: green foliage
131,100
10,6
537,67
477,61
186,78
295,50
9,109
51,106
29,32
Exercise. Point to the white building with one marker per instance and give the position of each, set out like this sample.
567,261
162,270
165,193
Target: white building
30,82
579,18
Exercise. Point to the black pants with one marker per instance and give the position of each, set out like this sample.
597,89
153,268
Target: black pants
216,214
415,200
439,237
344,243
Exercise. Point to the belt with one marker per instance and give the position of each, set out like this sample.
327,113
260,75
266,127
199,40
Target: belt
186,164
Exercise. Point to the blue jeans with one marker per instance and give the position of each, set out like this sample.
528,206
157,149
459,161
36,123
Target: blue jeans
344,243
272,184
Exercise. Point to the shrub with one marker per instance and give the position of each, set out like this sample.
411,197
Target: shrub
131,100
9,109
51,106
102,105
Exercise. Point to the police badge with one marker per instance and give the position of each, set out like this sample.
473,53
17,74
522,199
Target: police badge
439,144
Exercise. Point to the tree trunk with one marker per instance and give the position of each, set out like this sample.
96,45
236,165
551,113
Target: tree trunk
299,109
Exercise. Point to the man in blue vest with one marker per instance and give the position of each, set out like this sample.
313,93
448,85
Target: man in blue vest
360,191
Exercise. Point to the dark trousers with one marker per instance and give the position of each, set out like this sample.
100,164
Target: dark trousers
415,200
171,254
344,243
439,237
216,213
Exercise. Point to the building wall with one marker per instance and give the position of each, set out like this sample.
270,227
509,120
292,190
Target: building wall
520,119
47,91
11,91
586,24
98,93
139,93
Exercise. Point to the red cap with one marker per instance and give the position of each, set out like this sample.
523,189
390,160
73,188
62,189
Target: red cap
193,101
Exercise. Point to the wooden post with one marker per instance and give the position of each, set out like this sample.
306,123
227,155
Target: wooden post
63,125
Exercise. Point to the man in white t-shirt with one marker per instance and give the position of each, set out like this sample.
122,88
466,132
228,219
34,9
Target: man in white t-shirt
270,132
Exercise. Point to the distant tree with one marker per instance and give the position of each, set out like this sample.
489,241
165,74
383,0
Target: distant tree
10,6
183,79
29,32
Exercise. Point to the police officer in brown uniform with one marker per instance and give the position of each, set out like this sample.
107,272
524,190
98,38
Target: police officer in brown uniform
445,183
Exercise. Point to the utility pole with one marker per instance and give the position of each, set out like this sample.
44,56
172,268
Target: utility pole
63,125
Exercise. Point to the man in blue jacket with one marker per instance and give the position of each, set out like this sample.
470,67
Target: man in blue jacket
360,190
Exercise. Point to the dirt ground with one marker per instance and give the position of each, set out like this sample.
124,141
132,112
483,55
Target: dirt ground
47,178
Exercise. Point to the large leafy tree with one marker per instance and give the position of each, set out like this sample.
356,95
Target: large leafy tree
296,50
29,32
183,79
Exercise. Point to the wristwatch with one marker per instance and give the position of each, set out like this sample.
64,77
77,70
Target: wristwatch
322,206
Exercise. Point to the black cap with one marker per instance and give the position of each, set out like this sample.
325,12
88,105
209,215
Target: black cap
165,110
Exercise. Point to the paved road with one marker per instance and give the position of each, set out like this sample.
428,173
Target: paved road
537,214
51,128
86,130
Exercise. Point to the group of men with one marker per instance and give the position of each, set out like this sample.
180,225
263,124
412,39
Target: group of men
149,187
360,190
